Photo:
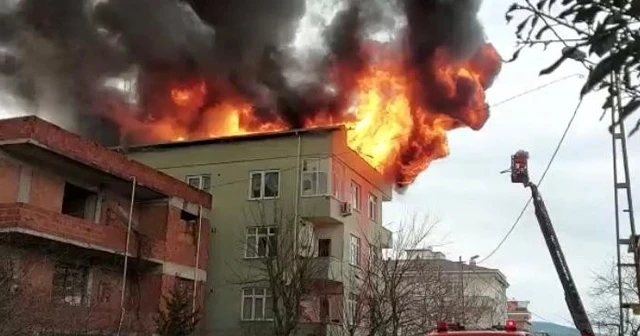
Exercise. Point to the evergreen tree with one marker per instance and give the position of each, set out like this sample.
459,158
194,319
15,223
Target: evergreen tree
177,319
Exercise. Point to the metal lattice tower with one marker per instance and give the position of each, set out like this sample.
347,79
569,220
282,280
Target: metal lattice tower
623,209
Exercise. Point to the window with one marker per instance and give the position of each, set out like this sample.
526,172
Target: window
202,182
79,202
261,242
189,223
352,304
373,254
355,195
256,304
70,284
324,247
354,258
264,184
373,208
314,177
104,292
338,180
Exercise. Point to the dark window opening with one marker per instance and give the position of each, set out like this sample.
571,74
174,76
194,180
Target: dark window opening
79,202
104,292
70,284
189,225
324,247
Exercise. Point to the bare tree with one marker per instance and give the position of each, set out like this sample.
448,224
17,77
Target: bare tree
382,298
604,295
399,295
440,294
284,263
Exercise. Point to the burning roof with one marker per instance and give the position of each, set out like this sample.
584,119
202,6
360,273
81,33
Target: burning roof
214,68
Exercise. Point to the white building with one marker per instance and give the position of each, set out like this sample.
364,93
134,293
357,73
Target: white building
457,291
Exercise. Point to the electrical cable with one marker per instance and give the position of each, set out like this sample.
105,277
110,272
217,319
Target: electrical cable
544,174
524,93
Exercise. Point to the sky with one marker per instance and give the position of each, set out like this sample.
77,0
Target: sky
475,206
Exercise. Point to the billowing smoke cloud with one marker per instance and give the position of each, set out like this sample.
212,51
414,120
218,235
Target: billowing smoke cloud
445,26
64,50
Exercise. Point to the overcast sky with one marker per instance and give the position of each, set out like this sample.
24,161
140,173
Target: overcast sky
476,205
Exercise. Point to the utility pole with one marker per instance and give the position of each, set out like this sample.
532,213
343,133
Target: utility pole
462,319
623,204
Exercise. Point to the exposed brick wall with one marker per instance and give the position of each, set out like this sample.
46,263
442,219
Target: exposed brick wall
158,231
181,244
94,155
150,216
170,282
25,216
44,222
10,175
47,191
102,311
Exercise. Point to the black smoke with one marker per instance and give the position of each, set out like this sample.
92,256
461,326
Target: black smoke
445,26
237,46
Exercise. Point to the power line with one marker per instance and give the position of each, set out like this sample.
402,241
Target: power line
544,174
524,93
540,316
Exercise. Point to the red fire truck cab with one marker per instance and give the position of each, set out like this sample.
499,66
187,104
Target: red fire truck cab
509,329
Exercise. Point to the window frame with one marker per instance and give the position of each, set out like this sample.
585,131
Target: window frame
372,213
373,254
265,295
263,174
201,184
61,298
272,231
321,246
91,201
323,165
352,307
354,258
355,194
338,173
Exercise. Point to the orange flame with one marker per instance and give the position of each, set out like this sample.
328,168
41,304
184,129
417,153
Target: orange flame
386,125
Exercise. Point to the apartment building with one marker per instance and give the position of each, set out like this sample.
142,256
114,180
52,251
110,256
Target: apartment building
72,215
311,174
460,291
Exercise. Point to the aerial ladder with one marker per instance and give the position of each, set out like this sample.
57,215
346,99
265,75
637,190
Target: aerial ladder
520,174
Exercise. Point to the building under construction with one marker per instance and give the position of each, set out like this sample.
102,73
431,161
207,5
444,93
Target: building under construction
91,240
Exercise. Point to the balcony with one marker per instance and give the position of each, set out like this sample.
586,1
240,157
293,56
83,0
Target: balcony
37,226
329,268
385,237
323,210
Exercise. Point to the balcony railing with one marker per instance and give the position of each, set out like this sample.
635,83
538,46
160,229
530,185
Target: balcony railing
20,218
328,268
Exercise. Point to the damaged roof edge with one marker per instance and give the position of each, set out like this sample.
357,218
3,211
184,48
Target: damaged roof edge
231,138
77,148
